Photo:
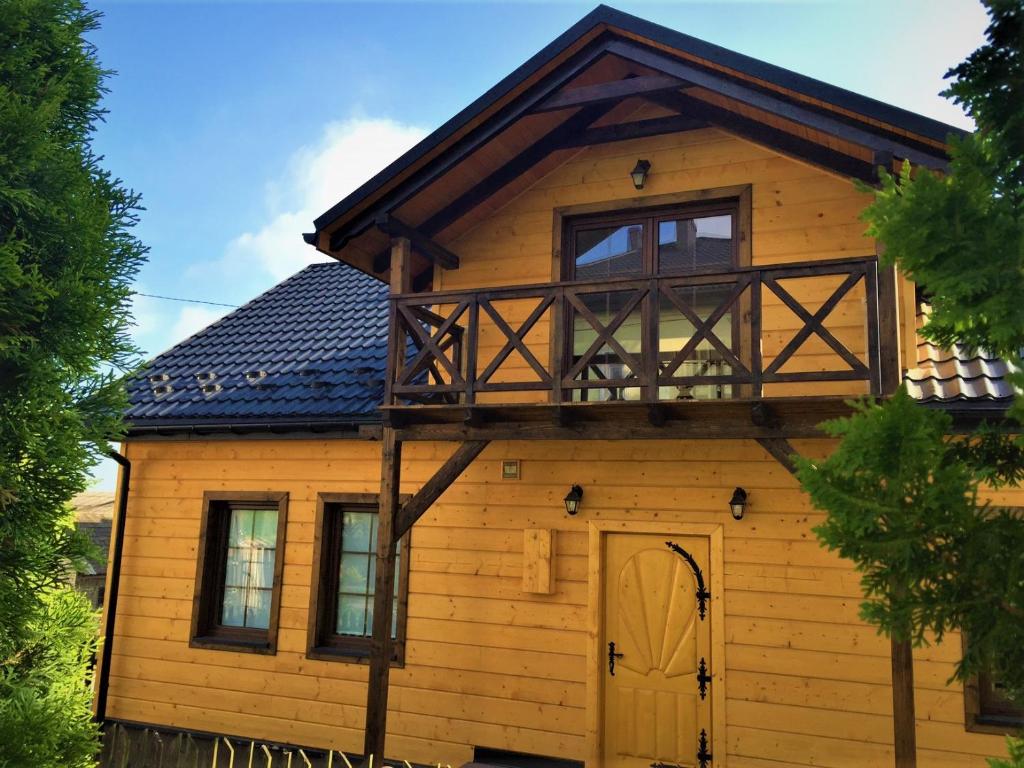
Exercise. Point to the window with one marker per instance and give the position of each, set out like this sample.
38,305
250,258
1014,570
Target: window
987,708
238,574
342,598
688,240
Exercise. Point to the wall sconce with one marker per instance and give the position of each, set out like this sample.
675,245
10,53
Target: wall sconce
738,503
639,173
572,500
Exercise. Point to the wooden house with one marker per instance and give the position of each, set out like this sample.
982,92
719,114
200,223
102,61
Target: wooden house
513,479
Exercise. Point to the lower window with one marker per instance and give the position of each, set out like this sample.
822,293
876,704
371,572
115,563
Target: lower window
238,574
342,597
988,709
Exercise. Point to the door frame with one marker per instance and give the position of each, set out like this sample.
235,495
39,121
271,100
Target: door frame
598,531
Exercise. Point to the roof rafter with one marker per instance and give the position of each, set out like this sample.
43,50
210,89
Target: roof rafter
610,91
776,138
746,94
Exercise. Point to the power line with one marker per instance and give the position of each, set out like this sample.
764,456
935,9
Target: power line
187,301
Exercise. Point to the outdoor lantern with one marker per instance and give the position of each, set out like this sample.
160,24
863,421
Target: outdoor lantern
738,503
572,499
639,173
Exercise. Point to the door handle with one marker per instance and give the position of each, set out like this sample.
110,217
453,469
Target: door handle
612,656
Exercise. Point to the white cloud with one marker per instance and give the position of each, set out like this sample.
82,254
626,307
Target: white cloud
348,153
193,319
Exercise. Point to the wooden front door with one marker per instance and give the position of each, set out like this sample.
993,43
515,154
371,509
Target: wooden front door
657,652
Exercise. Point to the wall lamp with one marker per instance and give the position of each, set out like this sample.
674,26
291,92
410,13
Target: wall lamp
738,503
639,173
572,500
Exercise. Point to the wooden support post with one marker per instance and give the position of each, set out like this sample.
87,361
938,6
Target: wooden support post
383,597
401,265
890,373
903,720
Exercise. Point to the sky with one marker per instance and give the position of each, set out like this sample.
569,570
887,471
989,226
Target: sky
240,122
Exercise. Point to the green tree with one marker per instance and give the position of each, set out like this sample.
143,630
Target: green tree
902,495
67,259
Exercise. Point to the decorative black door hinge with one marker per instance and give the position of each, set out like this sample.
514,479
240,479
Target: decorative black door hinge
702,593
612,656
703,678
703,756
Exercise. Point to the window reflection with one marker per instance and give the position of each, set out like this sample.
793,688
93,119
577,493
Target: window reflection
615,251
702,243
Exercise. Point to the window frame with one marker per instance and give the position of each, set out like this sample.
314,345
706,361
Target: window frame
322,642
211,561
651,217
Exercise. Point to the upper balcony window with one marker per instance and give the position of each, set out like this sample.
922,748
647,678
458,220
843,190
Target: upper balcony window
686,241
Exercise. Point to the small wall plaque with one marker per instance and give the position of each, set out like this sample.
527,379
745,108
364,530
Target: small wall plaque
510,469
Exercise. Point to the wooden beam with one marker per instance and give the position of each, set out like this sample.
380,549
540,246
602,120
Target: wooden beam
602,93
904,724
437,253
456,464
890,373
783,141
656,126
401,265
445,161
383,597
781,451
507,173
762,99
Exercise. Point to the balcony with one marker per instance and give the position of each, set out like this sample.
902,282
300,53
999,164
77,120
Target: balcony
797,333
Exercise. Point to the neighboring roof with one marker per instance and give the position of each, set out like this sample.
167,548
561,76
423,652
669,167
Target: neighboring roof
93,506
312,350
94,515
959,375
810,93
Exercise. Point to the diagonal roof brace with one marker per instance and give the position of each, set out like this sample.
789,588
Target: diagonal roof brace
753,97
610,91
433,250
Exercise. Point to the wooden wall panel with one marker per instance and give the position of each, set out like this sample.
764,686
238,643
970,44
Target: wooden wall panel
489,664
799,213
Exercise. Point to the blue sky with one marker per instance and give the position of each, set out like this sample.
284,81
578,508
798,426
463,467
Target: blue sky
241,121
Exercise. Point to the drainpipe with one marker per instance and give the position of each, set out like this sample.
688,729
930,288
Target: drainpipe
114,566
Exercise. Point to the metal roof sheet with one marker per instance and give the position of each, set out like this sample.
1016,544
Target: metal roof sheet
311,348
958,375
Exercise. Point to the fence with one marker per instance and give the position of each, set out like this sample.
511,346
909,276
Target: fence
139,747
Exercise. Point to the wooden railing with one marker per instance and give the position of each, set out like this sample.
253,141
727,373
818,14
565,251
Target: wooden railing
457,347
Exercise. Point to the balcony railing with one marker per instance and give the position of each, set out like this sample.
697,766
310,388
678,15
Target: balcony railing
787,330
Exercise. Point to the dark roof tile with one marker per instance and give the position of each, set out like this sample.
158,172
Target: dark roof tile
311,347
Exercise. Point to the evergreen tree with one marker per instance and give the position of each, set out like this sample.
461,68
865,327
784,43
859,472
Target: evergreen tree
902,496
67,259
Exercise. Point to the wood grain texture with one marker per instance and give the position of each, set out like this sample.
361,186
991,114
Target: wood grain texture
488,664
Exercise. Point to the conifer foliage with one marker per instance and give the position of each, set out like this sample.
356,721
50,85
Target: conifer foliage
67,259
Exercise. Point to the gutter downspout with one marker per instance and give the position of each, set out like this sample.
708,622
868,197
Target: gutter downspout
110,601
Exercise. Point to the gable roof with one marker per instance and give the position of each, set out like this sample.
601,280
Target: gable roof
308,353
738,84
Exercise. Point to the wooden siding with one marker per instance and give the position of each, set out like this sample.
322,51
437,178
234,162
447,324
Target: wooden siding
799,213
487,664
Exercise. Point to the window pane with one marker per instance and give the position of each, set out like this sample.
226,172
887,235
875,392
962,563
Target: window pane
233,613
355,535
692,244
249,568
615,251
606,362
257,608
674,332
355,573
261,568
264,527
241,527
352,615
